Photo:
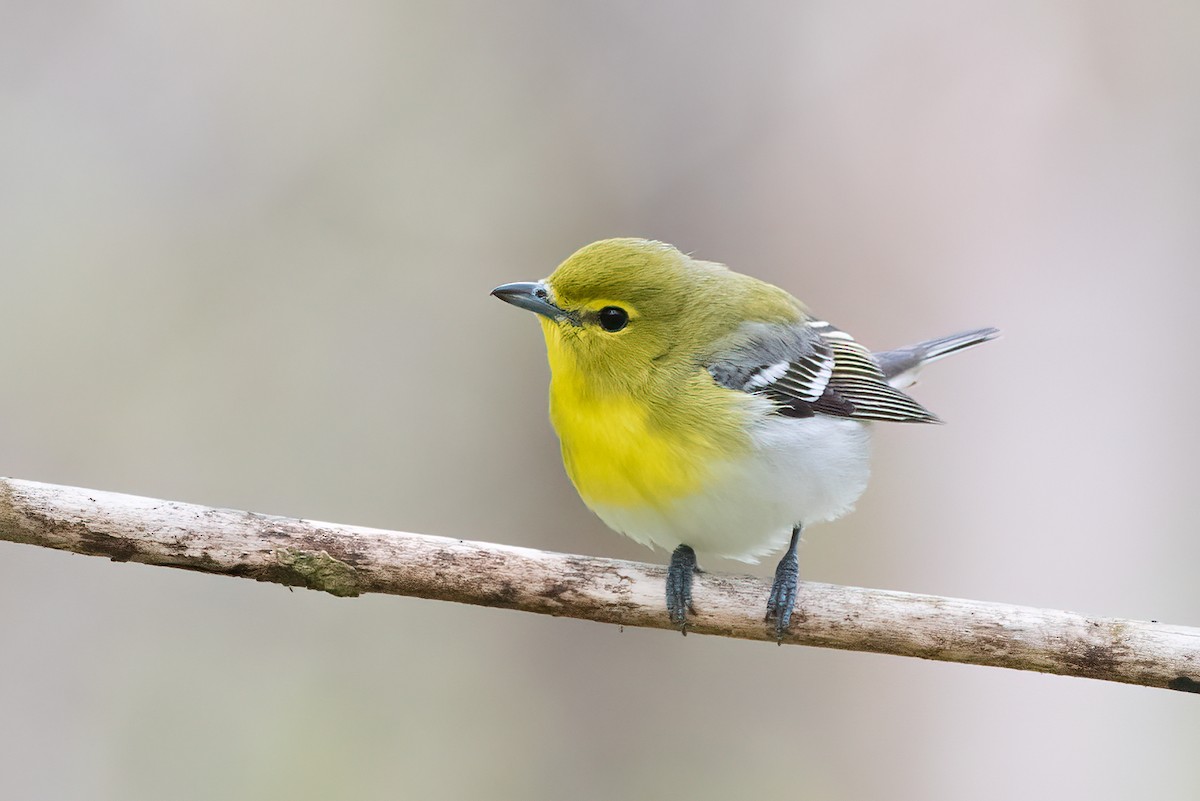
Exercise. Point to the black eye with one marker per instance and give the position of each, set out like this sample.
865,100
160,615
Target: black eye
613,318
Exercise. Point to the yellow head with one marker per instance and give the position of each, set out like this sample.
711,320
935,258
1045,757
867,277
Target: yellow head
633,316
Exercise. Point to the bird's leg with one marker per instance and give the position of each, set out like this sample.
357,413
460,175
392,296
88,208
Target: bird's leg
783,591
679,585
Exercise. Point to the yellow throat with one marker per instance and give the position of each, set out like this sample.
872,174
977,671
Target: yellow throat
644,449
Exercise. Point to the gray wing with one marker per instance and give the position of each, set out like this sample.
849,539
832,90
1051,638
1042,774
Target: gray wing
811,368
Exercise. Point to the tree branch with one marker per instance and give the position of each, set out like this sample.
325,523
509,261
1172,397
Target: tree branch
350,560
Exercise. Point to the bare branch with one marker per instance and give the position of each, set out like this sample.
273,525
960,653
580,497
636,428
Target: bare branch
350,560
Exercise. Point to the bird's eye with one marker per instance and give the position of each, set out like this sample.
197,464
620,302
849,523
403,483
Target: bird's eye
613,318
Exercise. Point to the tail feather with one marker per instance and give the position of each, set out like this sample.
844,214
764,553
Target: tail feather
902,365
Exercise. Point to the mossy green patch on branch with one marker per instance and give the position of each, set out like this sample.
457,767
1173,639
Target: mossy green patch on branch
319,571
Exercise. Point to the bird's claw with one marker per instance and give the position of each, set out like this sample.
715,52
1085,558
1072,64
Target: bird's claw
679,586
782,600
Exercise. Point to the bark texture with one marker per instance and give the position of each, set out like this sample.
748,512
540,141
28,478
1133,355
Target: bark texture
351,560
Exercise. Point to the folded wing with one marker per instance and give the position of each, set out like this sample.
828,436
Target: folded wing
809,368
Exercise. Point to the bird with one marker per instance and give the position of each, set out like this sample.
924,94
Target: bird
700,409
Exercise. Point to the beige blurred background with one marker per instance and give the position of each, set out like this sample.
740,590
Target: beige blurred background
245,257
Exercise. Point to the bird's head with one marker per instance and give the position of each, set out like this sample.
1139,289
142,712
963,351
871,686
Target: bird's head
620,309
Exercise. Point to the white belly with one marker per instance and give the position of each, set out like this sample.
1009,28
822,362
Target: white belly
800,471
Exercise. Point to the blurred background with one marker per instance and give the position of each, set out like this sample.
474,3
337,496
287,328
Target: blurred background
245,257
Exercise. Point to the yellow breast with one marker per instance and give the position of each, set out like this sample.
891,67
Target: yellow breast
621,449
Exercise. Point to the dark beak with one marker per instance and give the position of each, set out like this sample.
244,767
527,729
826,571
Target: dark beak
533,296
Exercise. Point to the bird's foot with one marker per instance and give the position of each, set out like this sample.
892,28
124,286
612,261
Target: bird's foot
784,589
679,585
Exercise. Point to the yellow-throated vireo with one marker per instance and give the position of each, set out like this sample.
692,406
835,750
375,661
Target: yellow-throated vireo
702,409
